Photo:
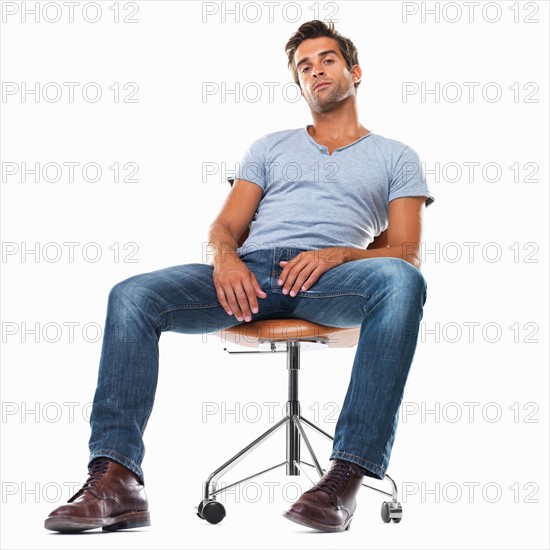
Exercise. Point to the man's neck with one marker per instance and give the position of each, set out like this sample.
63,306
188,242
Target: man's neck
337,125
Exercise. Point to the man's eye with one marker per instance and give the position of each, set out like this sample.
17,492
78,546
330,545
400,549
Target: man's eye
329,60
305,69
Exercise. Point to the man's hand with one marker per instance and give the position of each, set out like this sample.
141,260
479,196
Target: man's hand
237,288
304,269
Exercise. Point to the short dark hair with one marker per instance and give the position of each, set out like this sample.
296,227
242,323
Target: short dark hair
318,29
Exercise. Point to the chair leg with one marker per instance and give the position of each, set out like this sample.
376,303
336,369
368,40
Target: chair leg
292,409
296,421
312,425
210,487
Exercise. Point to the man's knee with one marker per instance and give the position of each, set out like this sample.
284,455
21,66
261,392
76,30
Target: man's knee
405,275
400,278
131,292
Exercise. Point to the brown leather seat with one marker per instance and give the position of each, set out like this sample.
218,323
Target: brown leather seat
285,330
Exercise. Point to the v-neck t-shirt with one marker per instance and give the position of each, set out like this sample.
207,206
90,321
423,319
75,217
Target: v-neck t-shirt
313,199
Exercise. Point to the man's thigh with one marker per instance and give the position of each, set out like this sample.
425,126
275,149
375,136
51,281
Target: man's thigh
189,302
340,296
179,298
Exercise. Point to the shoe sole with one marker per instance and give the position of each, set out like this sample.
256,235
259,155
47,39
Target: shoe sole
70,524
316,525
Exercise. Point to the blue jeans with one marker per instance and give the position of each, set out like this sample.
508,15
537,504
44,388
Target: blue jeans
385,296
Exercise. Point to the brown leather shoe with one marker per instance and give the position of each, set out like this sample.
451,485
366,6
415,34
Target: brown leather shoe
112,498
329,505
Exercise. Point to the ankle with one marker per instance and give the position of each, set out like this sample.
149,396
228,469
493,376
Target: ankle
357,468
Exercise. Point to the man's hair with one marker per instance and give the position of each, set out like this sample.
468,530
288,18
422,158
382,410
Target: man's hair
317,29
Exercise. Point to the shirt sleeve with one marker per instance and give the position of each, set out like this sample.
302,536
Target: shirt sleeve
409,178
252,166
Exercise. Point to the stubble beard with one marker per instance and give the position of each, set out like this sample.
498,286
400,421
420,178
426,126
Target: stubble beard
327,100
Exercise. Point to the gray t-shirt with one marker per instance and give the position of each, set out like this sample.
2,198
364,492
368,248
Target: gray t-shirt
313,200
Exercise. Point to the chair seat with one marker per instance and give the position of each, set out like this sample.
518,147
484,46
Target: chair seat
282,330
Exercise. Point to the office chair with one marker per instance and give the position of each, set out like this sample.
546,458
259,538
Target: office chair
288,336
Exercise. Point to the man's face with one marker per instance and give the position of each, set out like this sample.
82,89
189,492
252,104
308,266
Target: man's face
319,60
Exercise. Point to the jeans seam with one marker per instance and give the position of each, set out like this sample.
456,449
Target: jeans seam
170,309
314,294
351,455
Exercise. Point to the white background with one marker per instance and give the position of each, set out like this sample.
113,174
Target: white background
456,468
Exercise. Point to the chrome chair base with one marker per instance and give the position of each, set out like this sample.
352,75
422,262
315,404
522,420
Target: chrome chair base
213,511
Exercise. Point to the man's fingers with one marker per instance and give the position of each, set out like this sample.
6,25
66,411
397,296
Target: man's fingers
300,273
287,268
234,303
301,278
251,296
285,273
294,268
223,301
237,289
257,288
308,283
242,299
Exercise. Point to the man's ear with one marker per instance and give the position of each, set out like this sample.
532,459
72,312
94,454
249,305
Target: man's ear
356,74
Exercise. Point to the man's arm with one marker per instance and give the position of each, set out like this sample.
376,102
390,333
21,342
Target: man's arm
401,240
402,237
236,286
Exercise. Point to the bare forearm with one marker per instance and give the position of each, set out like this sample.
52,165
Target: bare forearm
221,244
236,286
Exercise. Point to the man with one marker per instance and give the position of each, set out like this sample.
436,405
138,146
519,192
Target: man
313,198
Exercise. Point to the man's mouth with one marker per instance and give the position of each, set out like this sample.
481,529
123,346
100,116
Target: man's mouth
321,85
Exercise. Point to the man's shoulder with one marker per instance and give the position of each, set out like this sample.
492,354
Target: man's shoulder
278,136
389,144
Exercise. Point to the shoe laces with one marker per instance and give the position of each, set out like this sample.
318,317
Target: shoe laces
96,469
332,482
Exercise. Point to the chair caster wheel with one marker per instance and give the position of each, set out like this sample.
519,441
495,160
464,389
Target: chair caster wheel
391,512
199,509
211,510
